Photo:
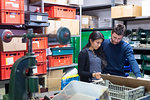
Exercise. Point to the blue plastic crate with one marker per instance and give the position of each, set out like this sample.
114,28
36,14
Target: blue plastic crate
64,82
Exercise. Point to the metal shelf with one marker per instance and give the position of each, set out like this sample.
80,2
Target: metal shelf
140,48
67,66
47,3
96,29
4,81
97,7
75,36
133,18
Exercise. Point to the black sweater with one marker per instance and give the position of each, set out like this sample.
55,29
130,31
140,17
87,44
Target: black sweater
84,66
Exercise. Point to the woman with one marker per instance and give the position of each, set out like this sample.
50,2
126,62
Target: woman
91,59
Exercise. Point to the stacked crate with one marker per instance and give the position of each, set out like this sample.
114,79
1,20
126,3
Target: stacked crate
39,46
75,43
9,53
11,12
60,56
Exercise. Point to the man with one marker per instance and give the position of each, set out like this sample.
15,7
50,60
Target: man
116,51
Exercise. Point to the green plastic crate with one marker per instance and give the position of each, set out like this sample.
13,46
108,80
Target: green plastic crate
62,51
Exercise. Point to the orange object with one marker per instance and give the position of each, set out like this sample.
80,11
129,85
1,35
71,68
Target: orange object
60,12
39,43
56,46
8,58
12,4
11,17
41,68
60,60
5,72
40,55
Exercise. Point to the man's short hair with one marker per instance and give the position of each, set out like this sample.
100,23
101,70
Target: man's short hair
119,29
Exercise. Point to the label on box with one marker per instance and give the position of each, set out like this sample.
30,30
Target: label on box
35,70
36,43
12,16
15,5
84,20
10,61
39,18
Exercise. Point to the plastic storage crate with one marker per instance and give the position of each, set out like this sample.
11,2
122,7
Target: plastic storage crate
122,92
36,17
9,58
41,68
40,55
36,24
12,4
60,12
67,80
62,60
77,90
39,43
5,72
145,57
11,17
62,51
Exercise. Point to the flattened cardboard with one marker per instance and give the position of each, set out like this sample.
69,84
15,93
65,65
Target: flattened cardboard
130,82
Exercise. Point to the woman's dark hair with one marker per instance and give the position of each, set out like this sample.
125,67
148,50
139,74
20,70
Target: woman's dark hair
100,53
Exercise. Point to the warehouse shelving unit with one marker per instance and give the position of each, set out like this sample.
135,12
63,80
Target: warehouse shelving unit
42,4
137,50
59,67
99,7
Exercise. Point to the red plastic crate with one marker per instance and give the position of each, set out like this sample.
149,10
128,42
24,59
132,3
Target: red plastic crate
56,46
11,17
60,12
39,43
8,58
12,4
40,55
41,68
60,60
5,72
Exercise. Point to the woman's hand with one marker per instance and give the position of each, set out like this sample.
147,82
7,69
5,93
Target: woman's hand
97,75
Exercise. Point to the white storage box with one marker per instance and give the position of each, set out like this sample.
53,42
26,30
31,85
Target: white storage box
77,90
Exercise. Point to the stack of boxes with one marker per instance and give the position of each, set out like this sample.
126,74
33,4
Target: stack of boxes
126,11
11,12
39,46
75,43
9,53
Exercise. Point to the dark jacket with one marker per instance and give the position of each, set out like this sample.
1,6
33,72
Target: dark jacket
84,66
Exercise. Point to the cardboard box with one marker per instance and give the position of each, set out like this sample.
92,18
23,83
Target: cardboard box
14,45
71,24
116,12
51,28
132,11
126,11
75,27
145,8
62,1
32,1
54,80
86,21
130,82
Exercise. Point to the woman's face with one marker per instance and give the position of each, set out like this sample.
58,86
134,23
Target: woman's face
96,43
